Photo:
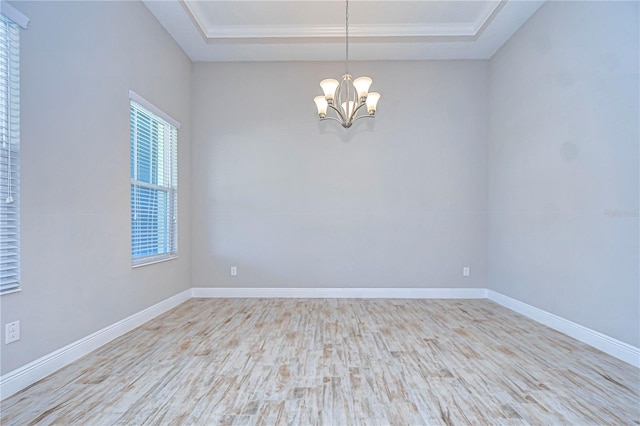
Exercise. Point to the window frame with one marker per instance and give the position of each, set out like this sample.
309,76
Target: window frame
11,21
147,200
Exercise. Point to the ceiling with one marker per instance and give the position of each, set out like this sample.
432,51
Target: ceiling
312,30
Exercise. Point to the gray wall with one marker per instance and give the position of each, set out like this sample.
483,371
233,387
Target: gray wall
564,155
79,60
399,201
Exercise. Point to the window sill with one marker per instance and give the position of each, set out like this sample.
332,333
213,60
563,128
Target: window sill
153,261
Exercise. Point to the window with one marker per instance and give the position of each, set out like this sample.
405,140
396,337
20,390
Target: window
154,183
10,148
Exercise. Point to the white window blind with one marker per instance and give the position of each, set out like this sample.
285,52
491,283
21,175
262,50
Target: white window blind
9,155
154,184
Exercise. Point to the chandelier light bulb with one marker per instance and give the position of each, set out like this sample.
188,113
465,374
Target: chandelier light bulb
322,104
372,102
329,87
362,85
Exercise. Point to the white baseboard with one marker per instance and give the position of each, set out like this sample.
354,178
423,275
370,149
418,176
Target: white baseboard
623,351
342,293
27,375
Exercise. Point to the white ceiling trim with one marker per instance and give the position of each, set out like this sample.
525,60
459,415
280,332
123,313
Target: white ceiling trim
494,26
291,31
484,16
211,31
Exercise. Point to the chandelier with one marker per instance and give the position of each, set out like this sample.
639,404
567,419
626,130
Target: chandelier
346,98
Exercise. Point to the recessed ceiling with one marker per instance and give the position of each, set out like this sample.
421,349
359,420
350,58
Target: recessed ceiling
312,30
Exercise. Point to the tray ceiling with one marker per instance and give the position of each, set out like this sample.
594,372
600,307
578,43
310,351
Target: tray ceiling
311,30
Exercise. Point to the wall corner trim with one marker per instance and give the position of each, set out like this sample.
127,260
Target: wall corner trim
623,351
19,379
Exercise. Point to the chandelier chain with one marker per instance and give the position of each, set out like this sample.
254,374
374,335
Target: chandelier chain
346,62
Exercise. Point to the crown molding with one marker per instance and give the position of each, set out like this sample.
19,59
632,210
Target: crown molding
213,32
485,16
294,31
478,38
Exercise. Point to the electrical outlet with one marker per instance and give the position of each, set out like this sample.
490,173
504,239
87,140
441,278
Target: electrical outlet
465,271
234,271
12,332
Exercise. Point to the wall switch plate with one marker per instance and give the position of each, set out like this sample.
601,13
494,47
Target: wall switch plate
234,271
12,332
465,271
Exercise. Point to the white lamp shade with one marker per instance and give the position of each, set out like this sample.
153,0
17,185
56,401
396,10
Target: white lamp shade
329,87
372,101
362,85
321,103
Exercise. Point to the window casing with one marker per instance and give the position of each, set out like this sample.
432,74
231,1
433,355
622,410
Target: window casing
9,155
154,183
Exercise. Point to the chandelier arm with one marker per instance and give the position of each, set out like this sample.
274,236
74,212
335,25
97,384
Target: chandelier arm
342,117
338,101
355,110
363,116
338,95
333,118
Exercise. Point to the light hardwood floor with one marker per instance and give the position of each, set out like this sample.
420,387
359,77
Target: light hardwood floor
336,362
